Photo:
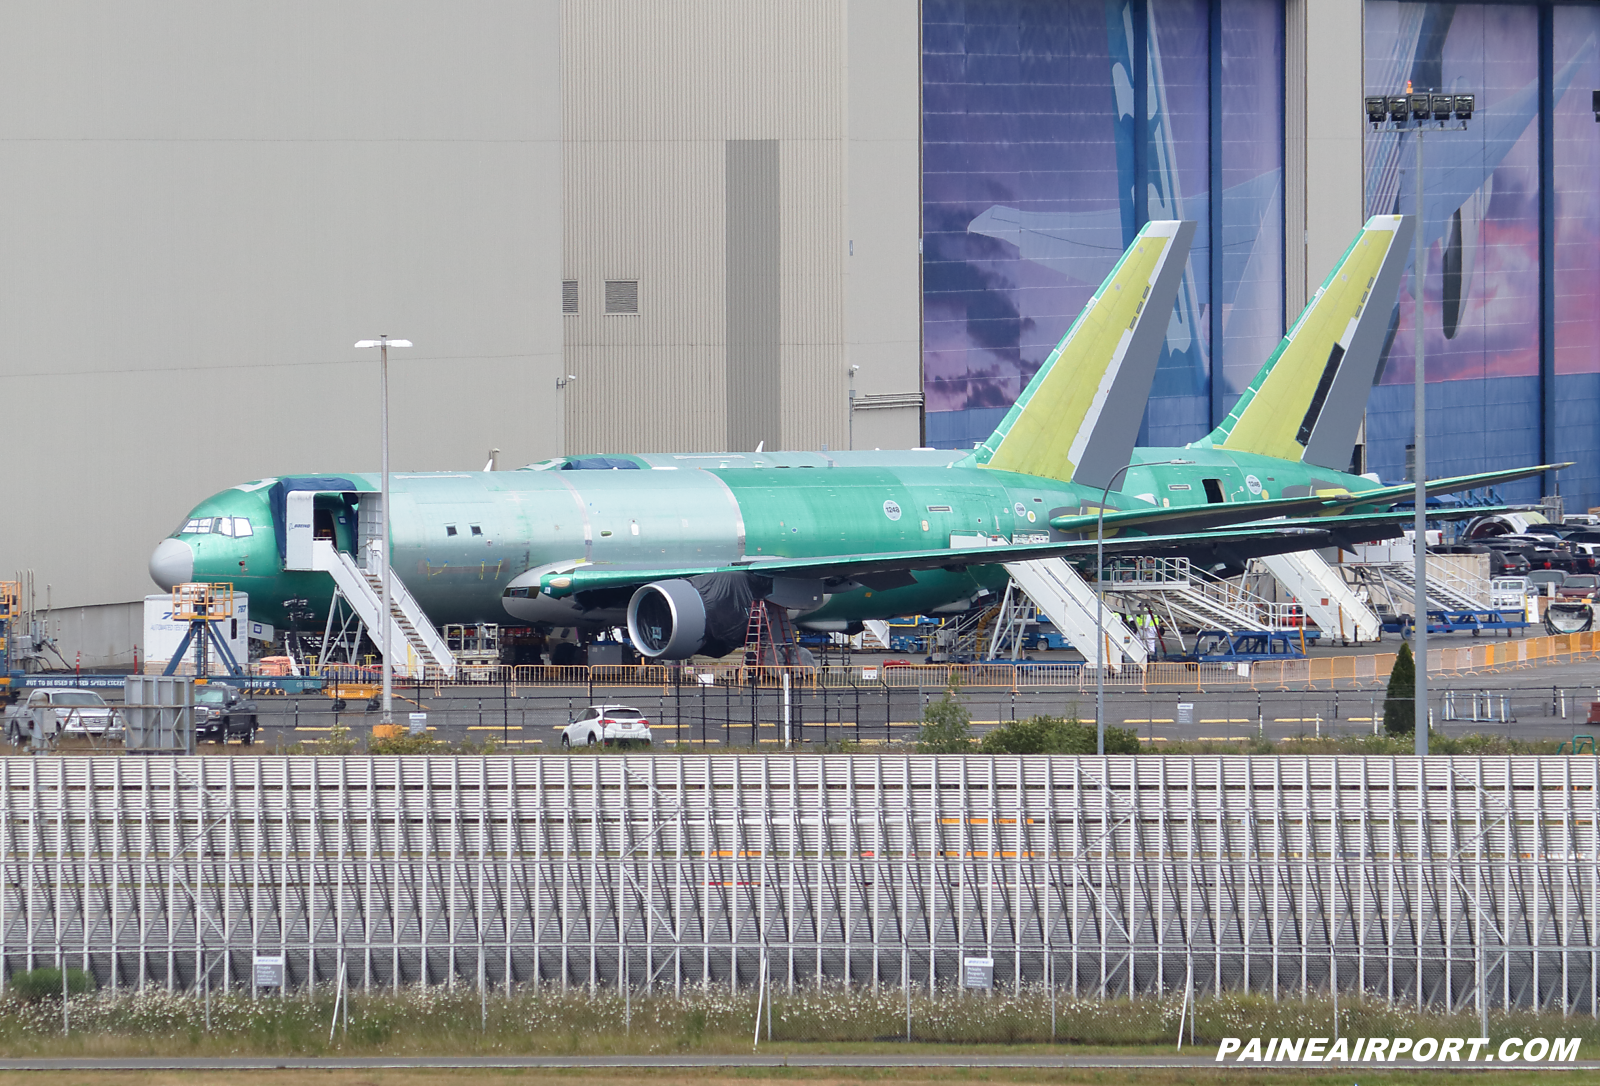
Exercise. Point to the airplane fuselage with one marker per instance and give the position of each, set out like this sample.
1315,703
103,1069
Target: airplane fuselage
459,539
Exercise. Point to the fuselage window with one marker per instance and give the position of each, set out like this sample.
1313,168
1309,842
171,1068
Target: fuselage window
476,530
449,529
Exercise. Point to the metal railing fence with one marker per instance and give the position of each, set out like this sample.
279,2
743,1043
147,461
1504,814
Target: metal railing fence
1437,882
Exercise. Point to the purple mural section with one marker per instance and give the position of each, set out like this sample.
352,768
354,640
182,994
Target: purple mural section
1018,119
1481,222
1251,302
1576,169
1029,173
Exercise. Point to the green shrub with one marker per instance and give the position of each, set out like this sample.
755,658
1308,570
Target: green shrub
337,741
1055,735
37,985
946,726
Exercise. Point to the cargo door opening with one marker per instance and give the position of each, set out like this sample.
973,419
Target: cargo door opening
333,519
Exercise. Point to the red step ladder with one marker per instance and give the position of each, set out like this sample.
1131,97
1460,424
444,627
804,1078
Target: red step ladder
769,639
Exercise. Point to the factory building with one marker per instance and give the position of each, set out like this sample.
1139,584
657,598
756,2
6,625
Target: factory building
703,225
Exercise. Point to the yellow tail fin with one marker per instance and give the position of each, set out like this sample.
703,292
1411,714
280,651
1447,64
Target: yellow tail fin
1078,418
1306,402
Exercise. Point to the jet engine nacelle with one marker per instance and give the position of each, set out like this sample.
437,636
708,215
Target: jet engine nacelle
667,618
710,613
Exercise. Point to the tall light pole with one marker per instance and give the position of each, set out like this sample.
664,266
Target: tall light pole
1422,113
386,619
1100,601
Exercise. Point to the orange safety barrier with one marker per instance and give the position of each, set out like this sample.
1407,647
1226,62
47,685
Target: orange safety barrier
1363,670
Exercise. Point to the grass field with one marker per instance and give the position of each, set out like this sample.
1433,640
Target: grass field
747,1076
439,1021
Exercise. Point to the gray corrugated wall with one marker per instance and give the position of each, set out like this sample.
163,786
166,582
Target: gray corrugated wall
753,312
652,94
208,204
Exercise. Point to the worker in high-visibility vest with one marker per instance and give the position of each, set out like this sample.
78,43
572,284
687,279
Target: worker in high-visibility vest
1147,624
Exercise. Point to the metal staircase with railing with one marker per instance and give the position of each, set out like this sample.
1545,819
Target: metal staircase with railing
1069,602
1448,590
1328,601
362,587
875,636
1172,587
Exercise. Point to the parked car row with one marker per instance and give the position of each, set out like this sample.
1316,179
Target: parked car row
1521,555
221,713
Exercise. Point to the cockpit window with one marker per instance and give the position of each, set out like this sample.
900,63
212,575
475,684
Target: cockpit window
229,526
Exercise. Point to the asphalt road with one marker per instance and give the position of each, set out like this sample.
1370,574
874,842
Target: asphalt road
1547,702
1532,702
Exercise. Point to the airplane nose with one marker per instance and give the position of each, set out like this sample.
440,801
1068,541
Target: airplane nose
172,563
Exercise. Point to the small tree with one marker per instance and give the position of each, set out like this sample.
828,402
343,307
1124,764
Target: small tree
1399,706
946,726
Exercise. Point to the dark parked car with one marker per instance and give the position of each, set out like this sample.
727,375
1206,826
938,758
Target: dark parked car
1503,561
222,713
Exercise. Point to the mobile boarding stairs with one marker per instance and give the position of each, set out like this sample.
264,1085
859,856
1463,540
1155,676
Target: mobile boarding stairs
358,581
1181,595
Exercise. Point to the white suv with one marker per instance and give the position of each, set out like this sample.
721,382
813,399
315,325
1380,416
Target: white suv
607,725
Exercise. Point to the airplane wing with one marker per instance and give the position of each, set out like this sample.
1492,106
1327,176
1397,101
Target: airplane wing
590,578
1201,517
1388,495
1404,517
1266,536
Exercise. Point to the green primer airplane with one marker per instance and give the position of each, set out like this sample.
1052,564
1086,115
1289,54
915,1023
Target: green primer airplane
677,546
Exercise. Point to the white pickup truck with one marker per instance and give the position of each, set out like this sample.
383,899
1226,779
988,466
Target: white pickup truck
76,713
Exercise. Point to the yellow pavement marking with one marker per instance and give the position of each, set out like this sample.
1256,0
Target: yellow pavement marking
1142,720
1296,719
1224,720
